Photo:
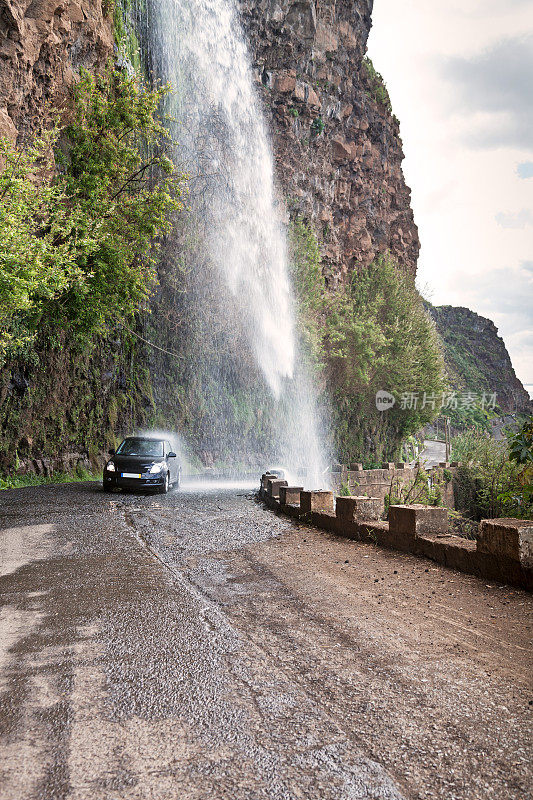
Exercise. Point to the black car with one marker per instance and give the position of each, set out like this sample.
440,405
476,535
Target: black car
142,463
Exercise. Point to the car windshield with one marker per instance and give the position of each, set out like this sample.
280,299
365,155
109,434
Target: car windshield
141,447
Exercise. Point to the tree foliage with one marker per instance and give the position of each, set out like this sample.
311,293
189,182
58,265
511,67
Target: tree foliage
81,212
492,481
379,337
369,334
308,281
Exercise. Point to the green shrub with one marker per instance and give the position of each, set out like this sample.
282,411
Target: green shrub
81,210
418,490
376,85
489,483
317,126
19,481
379,336
370,334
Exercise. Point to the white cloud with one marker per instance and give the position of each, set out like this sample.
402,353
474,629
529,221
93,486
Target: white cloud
525,169
494,89
456,73
517,219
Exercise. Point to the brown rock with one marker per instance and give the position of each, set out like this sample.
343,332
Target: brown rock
341,150
284,83
312,98
43,44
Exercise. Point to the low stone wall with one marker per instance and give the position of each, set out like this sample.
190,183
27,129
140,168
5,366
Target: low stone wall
502,553
378,482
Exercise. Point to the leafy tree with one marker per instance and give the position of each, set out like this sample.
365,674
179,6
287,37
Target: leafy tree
82,211
38,258
379,336
521,444
521,453
492,482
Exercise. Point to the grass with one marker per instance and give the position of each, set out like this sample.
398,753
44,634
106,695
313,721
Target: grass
19,481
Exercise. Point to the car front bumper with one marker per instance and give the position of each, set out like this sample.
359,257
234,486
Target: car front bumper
147,481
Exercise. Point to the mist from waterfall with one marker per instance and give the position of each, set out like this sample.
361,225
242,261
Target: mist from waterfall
198,47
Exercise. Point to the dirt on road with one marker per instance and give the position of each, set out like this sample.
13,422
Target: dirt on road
198,646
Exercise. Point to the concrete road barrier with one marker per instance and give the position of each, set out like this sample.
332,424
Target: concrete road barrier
290,495
317,501
510,538
356,508
273,487
417,519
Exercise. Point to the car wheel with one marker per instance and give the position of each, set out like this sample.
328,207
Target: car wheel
107,488
164,488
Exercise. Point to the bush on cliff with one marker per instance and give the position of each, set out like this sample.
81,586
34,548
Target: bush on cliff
309,285
81,210
370,334
379,337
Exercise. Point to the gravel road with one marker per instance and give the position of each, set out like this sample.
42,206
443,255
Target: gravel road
196,645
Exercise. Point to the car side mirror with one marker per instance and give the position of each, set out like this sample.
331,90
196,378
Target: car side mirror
112,451
172,455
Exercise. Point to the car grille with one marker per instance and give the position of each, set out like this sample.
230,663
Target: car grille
128,465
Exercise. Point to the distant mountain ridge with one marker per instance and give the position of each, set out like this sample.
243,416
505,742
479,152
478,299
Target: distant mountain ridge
477,359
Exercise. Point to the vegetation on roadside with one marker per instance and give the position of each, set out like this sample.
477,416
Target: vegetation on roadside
379,337
83,209
20,481
310,287
495,478
422,488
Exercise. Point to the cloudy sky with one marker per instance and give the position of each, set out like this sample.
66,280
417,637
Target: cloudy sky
460,77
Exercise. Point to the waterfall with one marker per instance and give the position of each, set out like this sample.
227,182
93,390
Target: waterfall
198,46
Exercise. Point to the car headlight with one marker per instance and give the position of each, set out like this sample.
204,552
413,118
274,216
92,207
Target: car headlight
110,467
158,467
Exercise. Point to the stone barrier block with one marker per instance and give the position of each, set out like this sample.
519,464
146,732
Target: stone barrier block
444,464
401,465
512,538
354,509
273,487
387,465
418,519
356,468
316,501
265,478
290,494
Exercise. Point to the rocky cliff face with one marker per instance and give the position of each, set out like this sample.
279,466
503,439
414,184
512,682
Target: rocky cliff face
338,156
477,359
337,145
43,44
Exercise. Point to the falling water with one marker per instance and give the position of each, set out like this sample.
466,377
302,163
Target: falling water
199,48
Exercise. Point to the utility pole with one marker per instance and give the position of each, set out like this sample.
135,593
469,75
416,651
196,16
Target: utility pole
447,437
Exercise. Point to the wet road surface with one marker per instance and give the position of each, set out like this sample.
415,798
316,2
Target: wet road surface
195,645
